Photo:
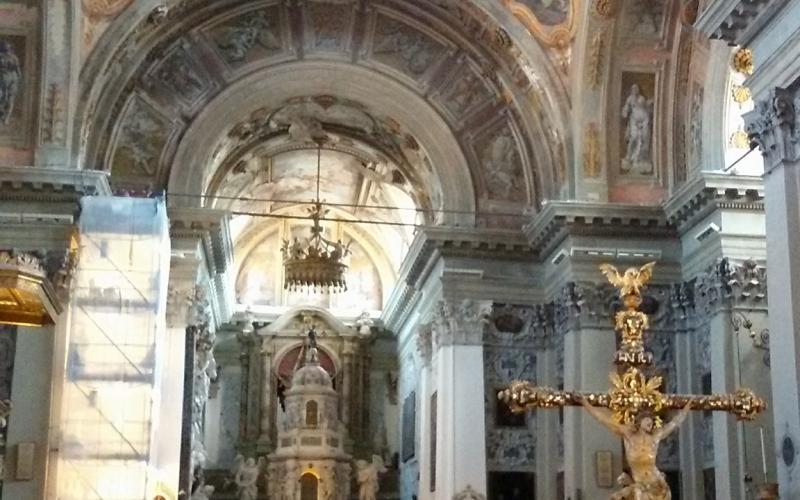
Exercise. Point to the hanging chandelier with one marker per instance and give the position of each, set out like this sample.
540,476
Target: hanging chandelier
316,264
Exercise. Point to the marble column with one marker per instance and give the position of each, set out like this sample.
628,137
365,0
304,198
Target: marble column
422,446
61,40
773,126
728,465
547,429
589,346
691,445
460,439
267,395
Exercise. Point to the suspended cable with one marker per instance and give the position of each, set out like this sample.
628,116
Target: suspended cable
350,205
752,148
328,219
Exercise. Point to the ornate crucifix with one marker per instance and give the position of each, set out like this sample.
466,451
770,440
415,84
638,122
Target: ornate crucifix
633,406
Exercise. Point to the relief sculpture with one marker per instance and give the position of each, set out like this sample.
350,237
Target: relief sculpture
10,80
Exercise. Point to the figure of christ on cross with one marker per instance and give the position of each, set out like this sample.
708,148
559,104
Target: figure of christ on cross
632,405
641,442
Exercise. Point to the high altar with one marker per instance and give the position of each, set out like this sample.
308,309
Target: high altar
305,417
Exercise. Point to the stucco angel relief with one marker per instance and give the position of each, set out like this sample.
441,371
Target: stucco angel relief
551,21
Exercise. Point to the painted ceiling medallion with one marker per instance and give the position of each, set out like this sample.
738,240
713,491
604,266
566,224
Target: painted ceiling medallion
104,8
550,21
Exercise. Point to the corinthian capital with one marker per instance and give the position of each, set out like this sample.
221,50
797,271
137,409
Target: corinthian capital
772,125
460,323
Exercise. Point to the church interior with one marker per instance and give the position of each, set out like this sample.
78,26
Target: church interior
399,249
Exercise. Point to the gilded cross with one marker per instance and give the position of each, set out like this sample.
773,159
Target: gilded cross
634,402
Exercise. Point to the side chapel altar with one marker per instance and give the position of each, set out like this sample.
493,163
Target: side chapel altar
633,407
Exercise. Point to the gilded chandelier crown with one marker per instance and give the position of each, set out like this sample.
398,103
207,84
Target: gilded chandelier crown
317,263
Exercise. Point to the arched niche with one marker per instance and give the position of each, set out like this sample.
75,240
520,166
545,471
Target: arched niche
309,486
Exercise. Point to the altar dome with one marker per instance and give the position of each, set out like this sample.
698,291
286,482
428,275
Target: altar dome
311,374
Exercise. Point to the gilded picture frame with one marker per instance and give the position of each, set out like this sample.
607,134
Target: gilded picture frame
551,22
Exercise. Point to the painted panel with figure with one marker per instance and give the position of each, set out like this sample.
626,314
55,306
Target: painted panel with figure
409,426
15,89
637,117
140,140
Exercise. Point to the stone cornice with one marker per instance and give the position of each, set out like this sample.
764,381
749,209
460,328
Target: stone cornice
434,242
212,229
39,184
737,22
560,219
210,226
710,192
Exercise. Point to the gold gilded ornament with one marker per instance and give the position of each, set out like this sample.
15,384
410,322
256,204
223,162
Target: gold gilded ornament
605,8
743,61
739,140
741,94
632,281
633,406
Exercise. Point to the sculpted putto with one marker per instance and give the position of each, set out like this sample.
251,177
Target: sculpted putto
367,477
246,479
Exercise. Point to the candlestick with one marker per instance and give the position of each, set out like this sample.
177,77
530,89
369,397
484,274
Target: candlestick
763,455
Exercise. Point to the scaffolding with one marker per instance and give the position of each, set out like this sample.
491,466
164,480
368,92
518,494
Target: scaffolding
114,362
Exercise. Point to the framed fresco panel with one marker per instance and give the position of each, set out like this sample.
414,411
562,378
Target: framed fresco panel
551,21
409,426
17,85
434,401
637,138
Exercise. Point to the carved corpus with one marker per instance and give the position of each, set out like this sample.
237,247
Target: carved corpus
27,298
635,401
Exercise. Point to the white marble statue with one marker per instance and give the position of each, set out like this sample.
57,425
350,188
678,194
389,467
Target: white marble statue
639,129
246,479
10,77
203,493
367,477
